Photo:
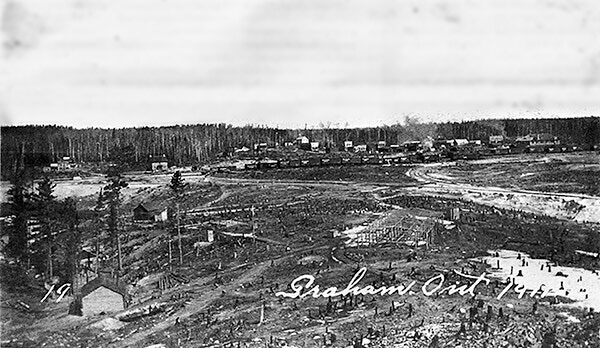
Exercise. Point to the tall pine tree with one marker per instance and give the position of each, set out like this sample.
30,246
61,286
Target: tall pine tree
20,205
72,240
47,217
178,187
112,194
99,210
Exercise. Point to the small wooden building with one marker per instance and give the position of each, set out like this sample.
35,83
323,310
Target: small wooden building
102,295
159,163
158,214
453,214
206,236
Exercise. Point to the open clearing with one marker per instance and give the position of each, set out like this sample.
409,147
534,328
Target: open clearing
404,224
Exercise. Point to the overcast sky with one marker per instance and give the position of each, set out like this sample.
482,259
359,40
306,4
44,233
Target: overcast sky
290,63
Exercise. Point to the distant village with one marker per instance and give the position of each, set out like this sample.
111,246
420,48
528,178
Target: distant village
306,152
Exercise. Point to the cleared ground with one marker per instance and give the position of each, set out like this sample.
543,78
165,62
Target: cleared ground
569,173
274,226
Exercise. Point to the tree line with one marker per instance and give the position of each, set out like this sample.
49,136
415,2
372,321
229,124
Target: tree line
584,131
192,144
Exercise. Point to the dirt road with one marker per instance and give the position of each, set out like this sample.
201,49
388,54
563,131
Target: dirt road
423,175
554,204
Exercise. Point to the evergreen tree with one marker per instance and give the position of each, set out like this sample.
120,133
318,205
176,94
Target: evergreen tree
112,194
72,240
99,209
20,205
47,217
178,187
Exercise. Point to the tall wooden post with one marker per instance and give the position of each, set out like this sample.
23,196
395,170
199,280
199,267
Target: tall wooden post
262,313
119,250
97,255
179,236
170,254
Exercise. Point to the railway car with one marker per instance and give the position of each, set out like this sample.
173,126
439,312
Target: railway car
314,162
250,165
283,163
295,163
371,160
416,157
267,164
399,159
335,161
500,151
355,161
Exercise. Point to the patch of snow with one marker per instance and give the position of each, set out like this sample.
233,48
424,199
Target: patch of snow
576,284
590,211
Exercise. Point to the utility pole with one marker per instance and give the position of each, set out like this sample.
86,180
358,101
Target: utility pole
170,254
119,251
262,313
97,255
179,236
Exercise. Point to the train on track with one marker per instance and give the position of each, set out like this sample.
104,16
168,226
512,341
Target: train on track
308,159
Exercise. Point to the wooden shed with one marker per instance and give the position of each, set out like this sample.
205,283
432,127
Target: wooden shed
158,163
101,296
141,213
453,214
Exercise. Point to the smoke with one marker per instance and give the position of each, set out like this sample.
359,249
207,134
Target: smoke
496,125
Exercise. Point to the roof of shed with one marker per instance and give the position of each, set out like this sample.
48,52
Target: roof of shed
98,282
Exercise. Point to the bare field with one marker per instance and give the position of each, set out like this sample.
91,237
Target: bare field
359,174
570,173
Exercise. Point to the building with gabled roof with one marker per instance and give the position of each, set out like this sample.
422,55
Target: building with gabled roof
102,295
159,163
143,213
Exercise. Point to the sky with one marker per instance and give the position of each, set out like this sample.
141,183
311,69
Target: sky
314,63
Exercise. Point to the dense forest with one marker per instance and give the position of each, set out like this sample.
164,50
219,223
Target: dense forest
583,131
192,144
